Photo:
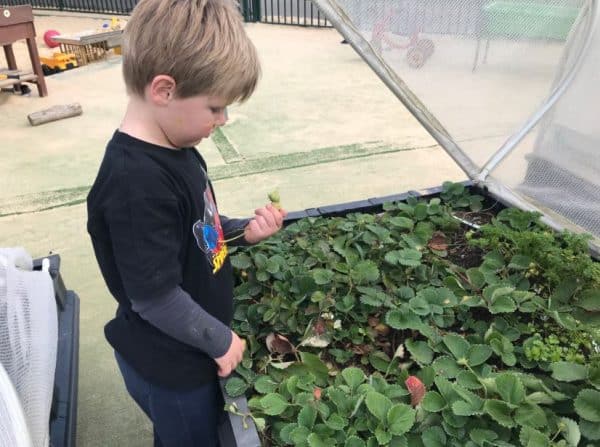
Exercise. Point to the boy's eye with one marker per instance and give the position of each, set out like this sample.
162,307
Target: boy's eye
216,109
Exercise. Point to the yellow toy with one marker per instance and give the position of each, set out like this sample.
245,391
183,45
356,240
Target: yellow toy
58,62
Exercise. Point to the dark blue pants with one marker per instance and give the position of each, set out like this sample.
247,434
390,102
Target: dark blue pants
180,418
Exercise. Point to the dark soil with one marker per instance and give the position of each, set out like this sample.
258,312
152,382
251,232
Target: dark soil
461,253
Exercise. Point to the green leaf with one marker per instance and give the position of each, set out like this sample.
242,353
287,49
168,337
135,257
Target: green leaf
434,437
498,291
262,276
446,389
402,319
539,397
594,376
519,262
433,402
378,405
469,406
299,435
286,431
316,366
587,405
265,385
446,366
383,437
420,351
468,380
564,291
353,377
322,276
476,278
354,441
530,437
402,222
364,272
241,261
260,260
481,436
590,300
510,388
273,404
503,304
420,211
261,424
530,414
493,260
236,387
457,345
399,441
410,257
427,375
569,371
307,416
336,422
419,305
400,418
274,264
591,430
478,354
315,441
499,411
393,257
571,432
463,408
379,360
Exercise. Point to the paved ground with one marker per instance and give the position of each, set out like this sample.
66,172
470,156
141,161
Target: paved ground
321,127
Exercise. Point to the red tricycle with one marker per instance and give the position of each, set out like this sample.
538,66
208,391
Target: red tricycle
418,49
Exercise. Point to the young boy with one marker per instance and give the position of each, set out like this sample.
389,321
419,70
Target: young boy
159,240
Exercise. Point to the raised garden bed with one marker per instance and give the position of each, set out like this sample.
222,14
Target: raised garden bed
432,321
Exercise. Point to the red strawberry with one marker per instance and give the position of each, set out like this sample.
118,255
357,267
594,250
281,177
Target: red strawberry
317,393
416,389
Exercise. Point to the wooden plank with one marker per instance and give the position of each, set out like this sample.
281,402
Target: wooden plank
15,14
87,39
54,113
25,78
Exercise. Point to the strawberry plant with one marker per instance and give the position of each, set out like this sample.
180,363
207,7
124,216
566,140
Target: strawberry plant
407,328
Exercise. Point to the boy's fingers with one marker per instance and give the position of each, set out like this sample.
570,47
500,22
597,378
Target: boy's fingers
267,216
260,221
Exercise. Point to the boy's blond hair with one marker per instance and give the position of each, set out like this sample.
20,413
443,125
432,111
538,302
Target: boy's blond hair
200,43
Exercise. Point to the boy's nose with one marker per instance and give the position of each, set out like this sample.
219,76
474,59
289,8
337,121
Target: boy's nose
223,117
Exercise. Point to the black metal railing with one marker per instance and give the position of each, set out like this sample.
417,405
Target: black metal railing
429,16
284,12
291,12
117,7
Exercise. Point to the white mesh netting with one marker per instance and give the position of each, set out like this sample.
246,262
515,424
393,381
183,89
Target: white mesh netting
13,428
506,86
28,341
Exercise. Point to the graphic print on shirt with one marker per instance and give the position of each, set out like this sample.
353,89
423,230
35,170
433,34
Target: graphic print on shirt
209,233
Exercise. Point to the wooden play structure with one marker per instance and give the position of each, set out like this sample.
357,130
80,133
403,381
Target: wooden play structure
16,23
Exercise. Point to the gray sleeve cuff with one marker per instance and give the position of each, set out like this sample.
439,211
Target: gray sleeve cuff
179,316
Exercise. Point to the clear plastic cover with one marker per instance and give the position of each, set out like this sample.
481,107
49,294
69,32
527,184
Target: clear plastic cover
505,86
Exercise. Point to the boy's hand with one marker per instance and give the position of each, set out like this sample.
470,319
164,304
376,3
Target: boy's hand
228,362
267,221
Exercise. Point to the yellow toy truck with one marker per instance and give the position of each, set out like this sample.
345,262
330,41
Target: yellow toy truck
58,62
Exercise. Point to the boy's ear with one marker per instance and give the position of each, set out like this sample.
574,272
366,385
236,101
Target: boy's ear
162,89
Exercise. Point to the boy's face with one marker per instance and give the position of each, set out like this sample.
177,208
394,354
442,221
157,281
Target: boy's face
186,121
